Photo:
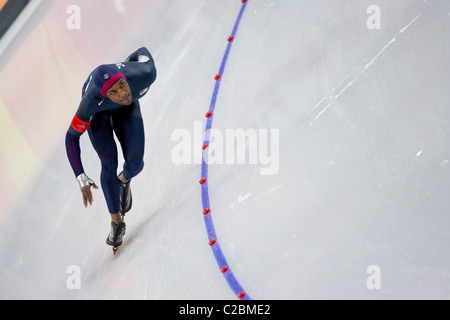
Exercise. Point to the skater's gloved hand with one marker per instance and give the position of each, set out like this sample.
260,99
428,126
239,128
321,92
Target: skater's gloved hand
85,186
143,58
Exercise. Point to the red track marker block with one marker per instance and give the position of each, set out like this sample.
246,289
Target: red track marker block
206,211
205,146
208,114
241,294
230,38
218,76
202,180
224,269
212,242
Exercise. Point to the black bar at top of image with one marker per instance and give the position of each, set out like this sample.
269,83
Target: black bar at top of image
9,13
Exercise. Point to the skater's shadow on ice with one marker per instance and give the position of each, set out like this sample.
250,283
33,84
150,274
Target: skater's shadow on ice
134,240
140,230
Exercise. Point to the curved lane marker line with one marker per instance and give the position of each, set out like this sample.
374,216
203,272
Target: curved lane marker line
213,242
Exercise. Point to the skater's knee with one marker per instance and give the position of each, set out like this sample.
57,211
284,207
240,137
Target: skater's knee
136,168
109,164
132,169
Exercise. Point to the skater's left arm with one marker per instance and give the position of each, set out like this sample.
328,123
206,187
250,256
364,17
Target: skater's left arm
143,66
141,55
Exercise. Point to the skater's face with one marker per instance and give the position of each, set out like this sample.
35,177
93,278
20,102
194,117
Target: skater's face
120,93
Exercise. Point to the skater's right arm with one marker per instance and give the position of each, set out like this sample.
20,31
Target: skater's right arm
76,129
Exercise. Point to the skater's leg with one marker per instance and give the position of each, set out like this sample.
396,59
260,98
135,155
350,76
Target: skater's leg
122,179
129,129
101,135
116,217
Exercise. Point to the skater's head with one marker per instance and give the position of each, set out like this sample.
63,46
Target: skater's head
112,84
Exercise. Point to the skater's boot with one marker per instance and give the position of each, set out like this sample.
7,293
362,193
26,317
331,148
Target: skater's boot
126,199
116,234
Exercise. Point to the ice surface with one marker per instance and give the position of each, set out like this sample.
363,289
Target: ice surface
363,176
